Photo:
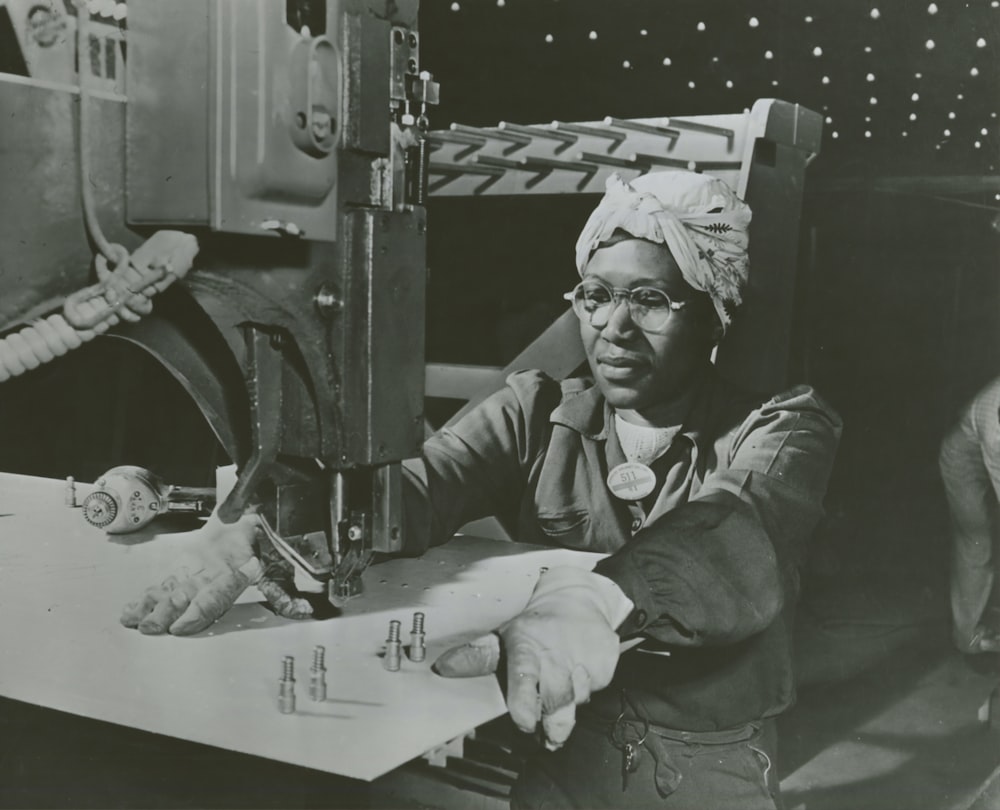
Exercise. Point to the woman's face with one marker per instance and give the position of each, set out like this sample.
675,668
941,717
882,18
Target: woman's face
638,371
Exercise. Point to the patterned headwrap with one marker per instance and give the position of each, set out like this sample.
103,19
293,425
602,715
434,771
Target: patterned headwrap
699,218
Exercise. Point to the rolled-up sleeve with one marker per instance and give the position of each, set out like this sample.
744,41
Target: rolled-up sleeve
478,468
719,568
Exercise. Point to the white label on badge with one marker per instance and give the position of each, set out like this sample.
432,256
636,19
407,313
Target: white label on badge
631,481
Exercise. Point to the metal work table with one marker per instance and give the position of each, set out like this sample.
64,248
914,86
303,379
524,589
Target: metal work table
63,584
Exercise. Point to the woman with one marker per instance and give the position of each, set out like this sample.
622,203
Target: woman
701,495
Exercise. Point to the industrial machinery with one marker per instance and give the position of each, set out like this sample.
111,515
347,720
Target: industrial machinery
287,137
291,139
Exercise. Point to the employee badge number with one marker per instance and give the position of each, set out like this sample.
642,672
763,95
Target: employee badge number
631,481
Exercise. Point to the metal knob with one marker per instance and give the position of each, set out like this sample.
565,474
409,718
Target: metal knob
99,509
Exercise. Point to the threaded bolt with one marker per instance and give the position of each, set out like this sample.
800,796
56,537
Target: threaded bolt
286,687
392,648
70,496
417,649
317,675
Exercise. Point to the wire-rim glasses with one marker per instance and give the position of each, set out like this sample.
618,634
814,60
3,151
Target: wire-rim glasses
649,308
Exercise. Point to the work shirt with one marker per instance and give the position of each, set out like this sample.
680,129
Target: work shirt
710,558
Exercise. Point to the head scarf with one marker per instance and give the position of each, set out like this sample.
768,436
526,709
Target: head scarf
698,217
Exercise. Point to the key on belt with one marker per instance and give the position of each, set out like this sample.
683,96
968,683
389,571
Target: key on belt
622,738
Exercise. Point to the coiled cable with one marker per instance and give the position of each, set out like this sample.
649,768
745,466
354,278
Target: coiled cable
156,264
113,252
125,283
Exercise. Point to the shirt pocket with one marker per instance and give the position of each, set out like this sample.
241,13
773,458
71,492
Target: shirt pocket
564,526
561,500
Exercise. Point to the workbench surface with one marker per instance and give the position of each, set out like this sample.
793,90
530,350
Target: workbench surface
63,584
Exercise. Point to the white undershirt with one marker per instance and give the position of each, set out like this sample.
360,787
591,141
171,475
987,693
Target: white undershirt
642,444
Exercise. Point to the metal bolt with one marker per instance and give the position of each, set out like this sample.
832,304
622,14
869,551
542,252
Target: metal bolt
326,302
317,675
323,124
354,534
286,687
392,648
70,497
417,650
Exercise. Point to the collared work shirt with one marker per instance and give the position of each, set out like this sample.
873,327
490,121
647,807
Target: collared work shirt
710,558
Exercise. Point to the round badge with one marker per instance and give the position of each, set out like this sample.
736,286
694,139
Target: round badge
631,481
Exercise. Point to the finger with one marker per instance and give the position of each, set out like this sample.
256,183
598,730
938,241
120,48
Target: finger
282,602
172,605
557,726
210,603
555,685
175,597
557,701
522,686
582,685
135,612
478,657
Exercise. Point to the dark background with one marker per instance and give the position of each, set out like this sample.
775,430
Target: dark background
898,291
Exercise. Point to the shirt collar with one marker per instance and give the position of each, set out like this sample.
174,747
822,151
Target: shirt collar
584,409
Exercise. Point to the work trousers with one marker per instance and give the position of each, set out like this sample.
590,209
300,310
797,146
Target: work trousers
675,771
970,468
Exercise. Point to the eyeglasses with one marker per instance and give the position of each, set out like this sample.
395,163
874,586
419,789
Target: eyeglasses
649,308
